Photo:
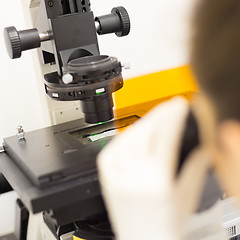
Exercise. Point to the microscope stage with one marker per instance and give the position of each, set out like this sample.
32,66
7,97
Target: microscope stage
59,153
57,161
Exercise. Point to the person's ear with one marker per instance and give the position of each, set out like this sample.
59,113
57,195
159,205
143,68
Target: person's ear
229,138
227,156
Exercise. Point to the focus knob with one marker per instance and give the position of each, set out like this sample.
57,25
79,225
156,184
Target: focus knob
18,41
117,22
124,20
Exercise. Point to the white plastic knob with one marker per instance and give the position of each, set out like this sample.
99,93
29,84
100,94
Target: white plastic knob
126,65
67,78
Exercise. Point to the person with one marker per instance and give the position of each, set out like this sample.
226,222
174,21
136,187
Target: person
144,196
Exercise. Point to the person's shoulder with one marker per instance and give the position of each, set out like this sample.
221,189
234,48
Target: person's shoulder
175,107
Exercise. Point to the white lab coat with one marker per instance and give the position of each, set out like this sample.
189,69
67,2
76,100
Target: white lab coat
137,173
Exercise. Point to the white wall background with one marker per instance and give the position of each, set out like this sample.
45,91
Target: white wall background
158,41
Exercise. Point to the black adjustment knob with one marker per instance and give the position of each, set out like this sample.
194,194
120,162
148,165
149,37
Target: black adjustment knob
18,41
117,22
124,20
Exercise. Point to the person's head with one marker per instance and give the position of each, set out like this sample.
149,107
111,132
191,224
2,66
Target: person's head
215,61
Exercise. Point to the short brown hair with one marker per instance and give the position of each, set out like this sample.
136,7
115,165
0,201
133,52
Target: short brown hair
215,54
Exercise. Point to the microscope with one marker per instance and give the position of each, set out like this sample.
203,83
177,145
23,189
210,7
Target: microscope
55,168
